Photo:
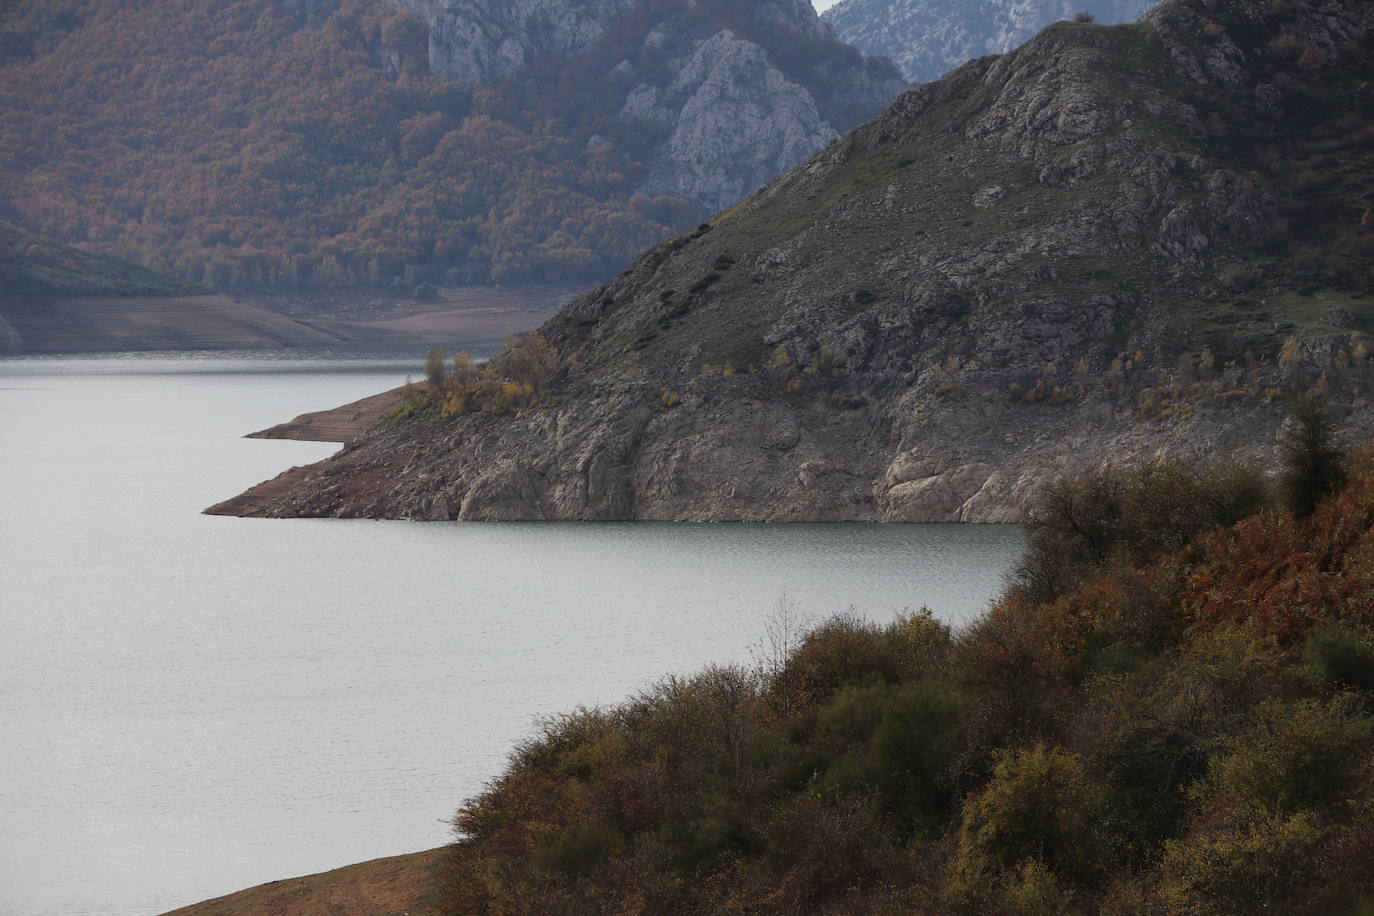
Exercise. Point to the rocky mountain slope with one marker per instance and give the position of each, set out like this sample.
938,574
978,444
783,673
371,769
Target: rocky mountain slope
739,92
357,142
1110,243
928,38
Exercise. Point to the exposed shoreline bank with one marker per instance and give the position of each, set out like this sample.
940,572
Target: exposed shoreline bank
397,884
269,318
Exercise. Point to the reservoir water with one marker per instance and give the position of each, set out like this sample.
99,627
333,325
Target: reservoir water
192,705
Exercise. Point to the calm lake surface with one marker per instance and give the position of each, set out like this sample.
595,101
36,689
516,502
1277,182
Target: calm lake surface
192,705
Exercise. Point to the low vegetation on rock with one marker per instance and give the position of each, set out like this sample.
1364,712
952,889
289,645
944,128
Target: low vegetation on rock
1182,724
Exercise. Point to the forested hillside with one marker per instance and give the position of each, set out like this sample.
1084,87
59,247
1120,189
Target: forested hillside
258,142
35,266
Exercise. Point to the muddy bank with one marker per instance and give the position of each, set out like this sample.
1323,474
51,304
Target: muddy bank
341,424
269,319
155,323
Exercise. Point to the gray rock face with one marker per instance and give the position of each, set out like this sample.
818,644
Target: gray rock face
733,117
928,38
734,123
1015,272
485,41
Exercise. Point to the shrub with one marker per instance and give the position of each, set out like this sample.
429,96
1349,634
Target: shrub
706,282
1036,819
1084,17
1342,659
1286,47
1131,514
844,651
578,848
1246,868
893,744
1298,755
1239,277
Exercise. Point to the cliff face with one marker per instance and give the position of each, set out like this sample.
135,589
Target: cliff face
481,42
739,92
1097,247
733,121
928,38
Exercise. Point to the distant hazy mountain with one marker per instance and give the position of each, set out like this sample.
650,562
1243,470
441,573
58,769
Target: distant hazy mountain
928,38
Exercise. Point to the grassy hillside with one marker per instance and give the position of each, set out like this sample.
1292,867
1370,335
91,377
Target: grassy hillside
1183,725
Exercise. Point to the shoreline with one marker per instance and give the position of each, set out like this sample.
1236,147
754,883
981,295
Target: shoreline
252,319
340,424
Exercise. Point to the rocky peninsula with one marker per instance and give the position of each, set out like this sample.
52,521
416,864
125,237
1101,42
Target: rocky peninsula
1094,248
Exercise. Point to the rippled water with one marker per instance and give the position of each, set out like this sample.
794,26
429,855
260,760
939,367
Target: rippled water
190,705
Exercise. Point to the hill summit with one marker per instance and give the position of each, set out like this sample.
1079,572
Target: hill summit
928,38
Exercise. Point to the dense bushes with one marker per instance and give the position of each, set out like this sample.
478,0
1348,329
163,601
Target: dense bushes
1187,729
1130,514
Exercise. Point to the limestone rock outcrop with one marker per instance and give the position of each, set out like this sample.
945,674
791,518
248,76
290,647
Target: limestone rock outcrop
740,93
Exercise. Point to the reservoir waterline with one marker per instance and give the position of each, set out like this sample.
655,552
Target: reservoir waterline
192,704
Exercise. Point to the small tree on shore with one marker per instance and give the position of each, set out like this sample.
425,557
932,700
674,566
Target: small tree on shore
434,367
1313,461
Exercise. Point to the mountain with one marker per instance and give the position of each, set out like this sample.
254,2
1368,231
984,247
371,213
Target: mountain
341,142
928,38
1109,243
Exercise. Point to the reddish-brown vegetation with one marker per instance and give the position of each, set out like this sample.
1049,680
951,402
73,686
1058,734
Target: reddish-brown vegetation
1185,728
